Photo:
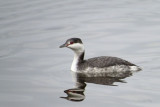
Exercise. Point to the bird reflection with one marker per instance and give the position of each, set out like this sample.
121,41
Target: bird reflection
77,93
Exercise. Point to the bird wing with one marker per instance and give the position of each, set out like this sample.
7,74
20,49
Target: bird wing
105,61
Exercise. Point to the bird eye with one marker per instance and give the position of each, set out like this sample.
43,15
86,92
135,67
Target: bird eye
71,42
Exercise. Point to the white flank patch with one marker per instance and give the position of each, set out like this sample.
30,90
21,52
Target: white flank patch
112,71
135,68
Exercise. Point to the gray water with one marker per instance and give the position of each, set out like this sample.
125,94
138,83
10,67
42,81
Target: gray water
35,72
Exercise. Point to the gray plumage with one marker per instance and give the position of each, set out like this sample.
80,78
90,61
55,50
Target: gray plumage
103,61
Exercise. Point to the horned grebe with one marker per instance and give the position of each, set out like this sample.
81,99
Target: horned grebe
96,65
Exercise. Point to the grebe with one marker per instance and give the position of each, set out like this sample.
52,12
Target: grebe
96,65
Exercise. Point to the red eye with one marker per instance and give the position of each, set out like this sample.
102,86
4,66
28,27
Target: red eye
71,42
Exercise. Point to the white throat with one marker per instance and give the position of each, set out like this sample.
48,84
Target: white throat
74,65
78,50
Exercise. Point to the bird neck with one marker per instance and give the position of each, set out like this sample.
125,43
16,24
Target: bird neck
78,58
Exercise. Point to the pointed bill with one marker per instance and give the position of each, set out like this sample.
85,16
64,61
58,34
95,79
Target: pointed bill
62,46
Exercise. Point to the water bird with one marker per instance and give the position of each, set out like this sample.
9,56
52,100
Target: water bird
97,66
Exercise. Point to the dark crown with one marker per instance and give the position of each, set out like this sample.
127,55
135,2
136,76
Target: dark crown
75,40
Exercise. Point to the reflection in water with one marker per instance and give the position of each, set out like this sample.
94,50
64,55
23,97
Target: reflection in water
77,93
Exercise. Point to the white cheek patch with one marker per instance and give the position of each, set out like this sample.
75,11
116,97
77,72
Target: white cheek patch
76,46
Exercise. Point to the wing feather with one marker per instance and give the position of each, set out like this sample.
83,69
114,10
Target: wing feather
104,61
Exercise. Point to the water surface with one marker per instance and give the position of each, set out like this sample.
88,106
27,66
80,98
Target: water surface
35,72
